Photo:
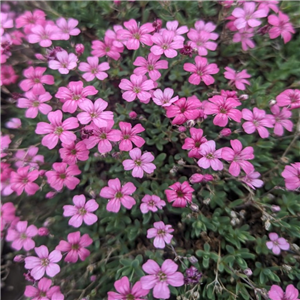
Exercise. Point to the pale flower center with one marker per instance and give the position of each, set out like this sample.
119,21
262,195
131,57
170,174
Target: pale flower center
136,90
118,195
138,162
161,276
59,130
45,262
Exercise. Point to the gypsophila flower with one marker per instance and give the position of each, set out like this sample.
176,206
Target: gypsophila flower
277,244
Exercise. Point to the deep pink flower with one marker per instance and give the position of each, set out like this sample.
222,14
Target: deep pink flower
161,234
44,263
164,98
107,47
136,87
245,37
199,40
237,78
276,293
290,98
180,194
35,80
194,142
16,37
251,179
42,34
237,156
118,195
291,175
75,247
35,103
8,210
66,28
29,157
93,69
5,22
112,34
281,26
8,75
257,120
13,123
151,66
126,292
63,176
139,163
197,178
210,156
179,31
71,153
29,19
129,136
73,95
79,49
160,278
152,203
208,27
277,244
64,62
201,71
4,143
225,132
57,129
281,119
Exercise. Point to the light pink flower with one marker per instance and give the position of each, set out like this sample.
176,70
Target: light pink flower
179,31
8,75
66,28
179,194
267,5
5,184
126,292
93,69
251,179
5,22
63,176
291,175
290,98
208,27
106,48
29,157
71,153
81,212
160,278
276,293
199,40
8,210
164,98
237,156
245,37
161,234
112,34
151,203
201,71
44,263
64,62
139,163
29,19
257,120
129,136
75,247
136,87
281,120
151,66
277,244
4,143
42,34
57,129
194,142
13,123
237,78
118,195
210,156
197,178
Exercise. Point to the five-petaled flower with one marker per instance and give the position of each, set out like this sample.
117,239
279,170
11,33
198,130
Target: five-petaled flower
277,243
180,194
161,234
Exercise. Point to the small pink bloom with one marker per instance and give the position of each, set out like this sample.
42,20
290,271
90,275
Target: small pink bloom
267,5
75,247
71,153
225,132
112,35
79,49
251,179
197,178
129,136
161,234
118,195
93,69
132,115
63,176
43,231
8,75
29,157
281,120
199,40
81,212
290,98
194,142
13,123
201,71
276,293
139,163
291,175
245,37
237,78
210,156
208,27
66,28
4,143
64,62
29,19
106,48
8,211
164,98
5,22
151,203
179,31
42,34
277,244
161,277
180,194
44,263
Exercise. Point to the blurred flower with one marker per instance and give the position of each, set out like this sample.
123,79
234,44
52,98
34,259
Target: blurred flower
66,28
64,62
277,244
276,293
72,153
194,142
281,119
13,123
164,98
79,49
210,156
291,175
290,98
251,179
132,115
225,132
192,275
129,135
248,272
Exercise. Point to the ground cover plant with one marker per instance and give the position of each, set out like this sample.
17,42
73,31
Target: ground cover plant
150,150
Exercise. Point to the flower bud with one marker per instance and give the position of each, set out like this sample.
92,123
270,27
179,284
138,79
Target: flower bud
181,128
79,49
193,260
275,208
208,177
248,272
196,178
93,278
287,267
43,231
48,222
132,115
233,214
190,123
206,201
181,162
28,277
194,207
244,97
50,195
225,132
19,258
157,24
267,225
272,102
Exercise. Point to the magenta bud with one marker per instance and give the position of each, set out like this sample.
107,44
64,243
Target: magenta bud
79,49
225,132
132,115
19,258
181,128
93,278
43,231
196,178
275,208
50,195
208,177
157,24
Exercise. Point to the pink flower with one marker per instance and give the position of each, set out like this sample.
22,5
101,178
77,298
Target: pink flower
151,203
160,278
199,40
166,43
180,194
66,28
132,115
129,136
194,142
277,244
71,153
224,108
75,247
8,75
23,180
210,156
35,80
251,179
238,157
42,34
5,185
151,66
281,120
6,22
29,19
29,157
64,62
276,293
106,48
81,212
225,132
290,98
244,36
208,27
57,129
126,292
8,210
183,110
164,98
112,34
197,178
73,95
291,175
161,234
44,263
13,123
136,87
257,120
4,143
93,69
79,49
281,26
237,78
35,103
201,71
21,236
173,26
63,176
248,16
139,163
134,35
118,195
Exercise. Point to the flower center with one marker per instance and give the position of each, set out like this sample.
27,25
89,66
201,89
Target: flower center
210,156
179,194
136,36
161,232
151,203
82,211
107,49
200,73
75,247
43,294
76,97
161,276
93,115
36,80
150,68
23,236
35,103
45,262
62,176
130,297
223,110
197,144
126,137
25,180
59,130
94,71
136,90
138,162
118,195
103,136
73,151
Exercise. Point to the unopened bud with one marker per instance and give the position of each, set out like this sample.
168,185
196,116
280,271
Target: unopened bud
275,208
19,258
272,102
132,115
267,225
48,222
190,123
43,231
181,128
244,97
296,247
225,132
287,267
193,260
196,178
93,278
242,213
233,214
248,272
233,222
194,207
181,162
178,298
196,294
79,49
